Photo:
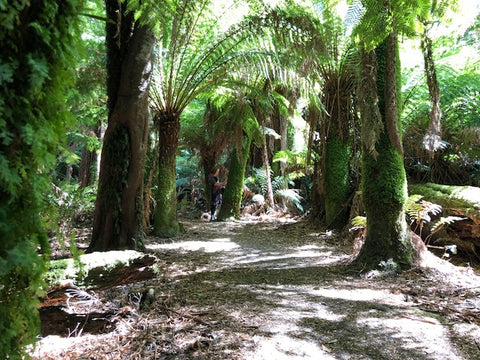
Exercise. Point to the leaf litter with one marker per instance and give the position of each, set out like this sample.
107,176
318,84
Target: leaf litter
272,289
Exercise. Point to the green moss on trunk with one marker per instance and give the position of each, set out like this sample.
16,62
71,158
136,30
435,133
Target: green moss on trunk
384,185
384,194
337,186
232,198
166,222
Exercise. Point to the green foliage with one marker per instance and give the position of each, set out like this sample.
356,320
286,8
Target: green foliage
379,19
281,186
56,272
68,205
419,211
36,69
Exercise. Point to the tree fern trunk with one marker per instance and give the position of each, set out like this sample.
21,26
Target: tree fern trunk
433,137
337,100
166,222
384,186
268,178
232,197
337,186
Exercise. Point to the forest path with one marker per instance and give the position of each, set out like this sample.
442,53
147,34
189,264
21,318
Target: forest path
282,291
268,290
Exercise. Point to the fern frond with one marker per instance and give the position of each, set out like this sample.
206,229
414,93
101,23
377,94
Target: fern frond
359,222
291,195
443,221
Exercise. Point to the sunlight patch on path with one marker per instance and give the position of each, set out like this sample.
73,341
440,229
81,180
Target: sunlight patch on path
211,246
424,335
300,257
281,347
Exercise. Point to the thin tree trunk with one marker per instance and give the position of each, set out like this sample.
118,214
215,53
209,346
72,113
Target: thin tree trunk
118,210
268,178
166,221
384,187
432,139
86,163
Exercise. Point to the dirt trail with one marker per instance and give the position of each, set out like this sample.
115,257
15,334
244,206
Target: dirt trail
246,290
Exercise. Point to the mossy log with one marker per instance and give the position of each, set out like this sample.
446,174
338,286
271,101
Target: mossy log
460,201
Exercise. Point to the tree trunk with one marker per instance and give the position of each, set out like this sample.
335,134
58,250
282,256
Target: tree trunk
432,140
268,178
166,222
118,209
318,148
85,175
208,169
384,186
232,197
337,185
337,100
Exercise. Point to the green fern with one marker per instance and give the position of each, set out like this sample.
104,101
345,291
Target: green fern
445,221
419,210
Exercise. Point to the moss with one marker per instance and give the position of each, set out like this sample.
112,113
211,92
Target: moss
337,186
450,196
232,197
166,222
384,191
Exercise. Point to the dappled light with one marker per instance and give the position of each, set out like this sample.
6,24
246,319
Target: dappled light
268,291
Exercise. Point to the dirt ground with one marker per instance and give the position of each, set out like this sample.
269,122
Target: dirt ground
270,290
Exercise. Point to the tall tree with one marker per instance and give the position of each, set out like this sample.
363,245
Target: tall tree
36,60
194,54
246,130
384,190
384,186
118,220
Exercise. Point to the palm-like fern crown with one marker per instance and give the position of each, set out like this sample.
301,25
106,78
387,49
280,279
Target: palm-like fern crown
195,50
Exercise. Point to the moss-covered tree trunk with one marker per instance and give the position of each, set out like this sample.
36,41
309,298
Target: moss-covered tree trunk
165,221
337,100
337,185
316,147
384,186
118,221
232,197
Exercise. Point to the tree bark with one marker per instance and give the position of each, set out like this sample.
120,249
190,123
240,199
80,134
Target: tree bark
432,140
85,175
232,197
337,154
268,178
166,222
118,210
384,186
